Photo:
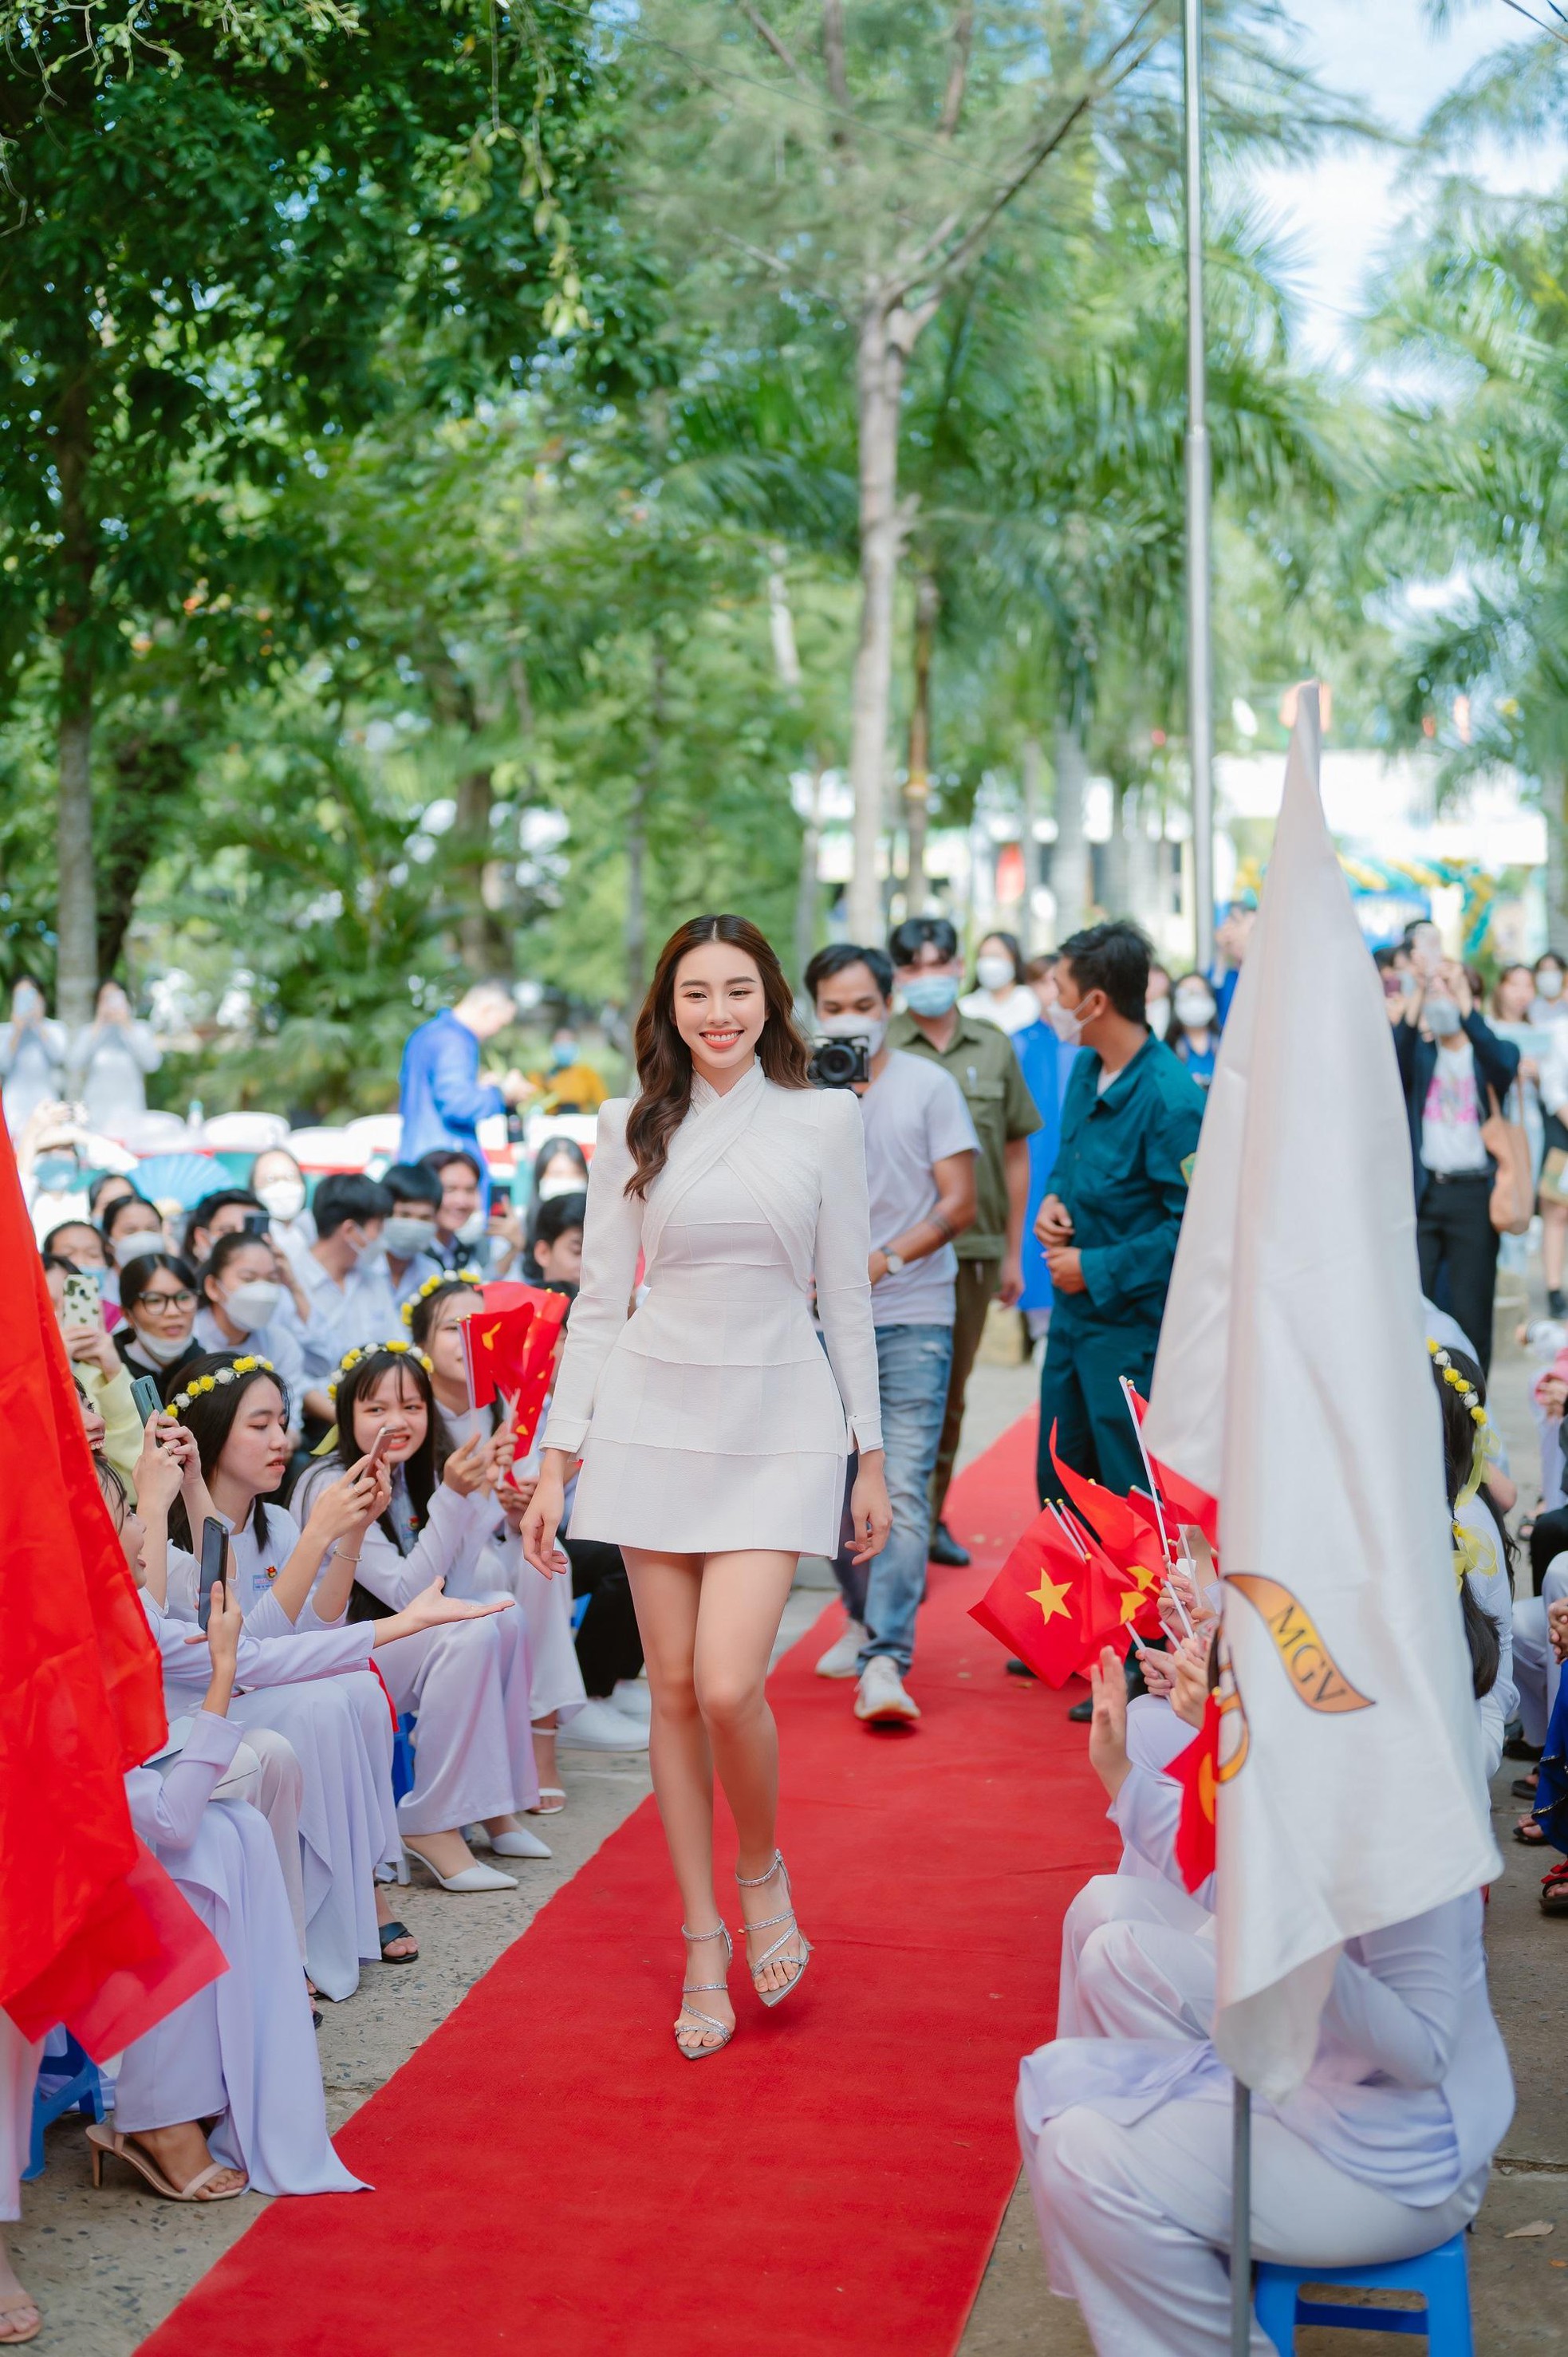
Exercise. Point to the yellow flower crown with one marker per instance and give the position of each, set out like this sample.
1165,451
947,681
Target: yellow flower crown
205,1384
433,1285
402,1348
1467,1554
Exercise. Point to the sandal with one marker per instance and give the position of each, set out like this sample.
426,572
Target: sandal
1554,1889
1532,1834
387,1934
105,2140
697,2023
22,2306
1523,1788
770,1922
556,1792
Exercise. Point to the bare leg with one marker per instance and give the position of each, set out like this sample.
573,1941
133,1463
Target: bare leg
742,1599
1553,1236
666,1589
544,1732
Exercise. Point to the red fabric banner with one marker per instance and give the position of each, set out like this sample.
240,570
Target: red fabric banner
1196,1770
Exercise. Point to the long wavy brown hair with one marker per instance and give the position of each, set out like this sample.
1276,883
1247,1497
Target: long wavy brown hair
664,1060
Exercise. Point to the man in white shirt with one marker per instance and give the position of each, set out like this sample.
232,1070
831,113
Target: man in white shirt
345,1281
920,1154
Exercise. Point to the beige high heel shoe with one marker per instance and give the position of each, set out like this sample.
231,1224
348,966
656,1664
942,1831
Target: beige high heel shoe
699,2022
796,1965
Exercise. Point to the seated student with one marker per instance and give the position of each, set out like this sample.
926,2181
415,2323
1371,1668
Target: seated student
410,1231
225,2093
460,1220
130,1226
98,1370
469,1685
1479,1528
223,1212
242,1306
344,1281
340,1728
278,1183
157,1294
1382,2153
560,1168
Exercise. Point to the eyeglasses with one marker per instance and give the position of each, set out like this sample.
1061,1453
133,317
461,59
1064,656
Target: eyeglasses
162,1302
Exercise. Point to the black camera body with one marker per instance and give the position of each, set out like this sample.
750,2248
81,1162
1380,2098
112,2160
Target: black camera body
840,1063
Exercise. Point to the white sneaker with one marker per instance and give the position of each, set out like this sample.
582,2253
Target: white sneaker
598,1727
882,1694
841,1659
632,1697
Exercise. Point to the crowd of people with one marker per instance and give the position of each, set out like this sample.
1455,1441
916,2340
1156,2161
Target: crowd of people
287,1362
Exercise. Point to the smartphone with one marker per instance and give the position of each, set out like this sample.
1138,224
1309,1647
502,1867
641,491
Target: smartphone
149,1398
83,1305
214,1545
258,1223
378,1449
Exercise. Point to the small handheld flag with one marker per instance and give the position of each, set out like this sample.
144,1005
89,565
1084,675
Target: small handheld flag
494,1343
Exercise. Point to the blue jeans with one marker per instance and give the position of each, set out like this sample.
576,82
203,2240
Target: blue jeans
913,1364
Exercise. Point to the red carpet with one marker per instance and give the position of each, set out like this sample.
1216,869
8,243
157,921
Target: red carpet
835,2180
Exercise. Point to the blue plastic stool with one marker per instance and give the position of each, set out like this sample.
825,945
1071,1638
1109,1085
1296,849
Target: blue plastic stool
81,2091
403,1755
1440,2276
579,1607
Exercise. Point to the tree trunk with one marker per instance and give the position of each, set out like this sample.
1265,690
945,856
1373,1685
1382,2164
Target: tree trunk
482,938
643,785
1029,844
1556,808
885,339
1118,878
810,886
1069,862
76,921
151,772
917,791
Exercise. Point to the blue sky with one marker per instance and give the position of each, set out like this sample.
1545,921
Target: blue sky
1340,213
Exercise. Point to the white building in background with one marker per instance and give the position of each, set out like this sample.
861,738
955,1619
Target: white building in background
1381,810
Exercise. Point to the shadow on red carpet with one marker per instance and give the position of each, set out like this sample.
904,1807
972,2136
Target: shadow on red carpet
551,2177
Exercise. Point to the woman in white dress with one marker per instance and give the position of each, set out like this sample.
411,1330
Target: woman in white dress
711,1428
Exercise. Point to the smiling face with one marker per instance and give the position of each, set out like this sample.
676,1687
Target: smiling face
459,1198
719,1008
255,1458
443,1341
392,1404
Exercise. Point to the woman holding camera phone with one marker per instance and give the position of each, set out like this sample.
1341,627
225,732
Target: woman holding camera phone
711,1426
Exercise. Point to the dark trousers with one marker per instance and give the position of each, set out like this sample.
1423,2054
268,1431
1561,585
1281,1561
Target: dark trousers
1548,1539
609,1645
1080,1393
1455,1237
978,1282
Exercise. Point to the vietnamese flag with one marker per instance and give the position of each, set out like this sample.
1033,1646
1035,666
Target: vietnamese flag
93,1931
538,1364
1114,1600
494,1342
1187,1501
1196,1770
1121,1527
1034,1604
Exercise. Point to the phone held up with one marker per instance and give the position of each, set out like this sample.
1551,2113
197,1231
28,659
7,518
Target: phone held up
214,1545
149,1401
81,1304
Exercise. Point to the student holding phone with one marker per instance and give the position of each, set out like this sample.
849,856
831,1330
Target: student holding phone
94,1362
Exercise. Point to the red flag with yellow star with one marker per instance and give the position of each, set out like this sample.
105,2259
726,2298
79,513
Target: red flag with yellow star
1182,1499
1034,1604
495,1343
1196,1770
538,1363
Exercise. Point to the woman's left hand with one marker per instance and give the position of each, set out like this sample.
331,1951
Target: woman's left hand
869,1509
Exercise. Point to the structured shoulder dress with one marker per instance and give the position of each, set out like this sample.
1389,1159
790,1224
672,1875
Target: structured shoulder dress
711,1418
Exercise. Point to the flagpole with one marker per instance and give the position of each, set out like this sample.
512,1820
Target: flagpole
1200,660
1241,2221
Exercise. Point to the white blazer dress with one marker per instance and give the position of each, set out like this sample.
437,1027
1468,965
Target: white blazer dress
710,1419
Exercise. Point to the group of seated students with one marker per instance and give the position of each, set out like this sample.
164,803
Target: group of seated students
1124,2119
316,1356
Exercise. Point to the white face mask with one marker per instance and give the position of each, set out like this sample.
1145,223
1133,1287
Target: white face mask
136,1245
252,1306
369,1252
1195,1008
1157,1016
1067,1022
872,1028
472,1229
1549,985
162,1349
406,1237
567,1182
284,1197
994,973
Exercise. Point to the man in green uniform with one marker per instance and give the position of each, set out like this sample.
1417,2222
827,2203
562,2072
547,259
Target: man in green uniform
1112,1206
930,975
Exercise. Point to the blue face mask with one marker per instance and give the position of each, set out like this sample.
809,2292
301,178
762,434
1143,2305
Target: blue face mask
931,994
56,1175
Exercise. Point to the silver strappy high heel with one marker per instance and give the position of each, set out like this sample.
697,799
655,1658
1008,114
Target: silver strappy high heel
795,1965
699,2021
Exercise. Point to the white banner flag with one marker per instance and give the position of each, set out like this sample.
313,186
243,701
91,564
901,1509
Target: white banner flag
1293,1382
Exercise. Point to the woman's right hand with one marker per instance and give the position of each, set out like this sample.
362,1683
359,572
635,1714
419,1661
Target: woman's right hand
159,1470
90,1345
352,1503
540,1521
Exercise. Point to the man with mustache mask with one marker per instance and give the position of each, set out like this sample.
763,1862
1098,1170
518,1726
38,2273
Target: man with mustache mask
1452,1064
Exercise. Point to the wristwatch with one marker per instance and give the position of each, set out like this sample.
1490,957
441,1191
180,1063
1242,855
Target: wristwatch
895,1261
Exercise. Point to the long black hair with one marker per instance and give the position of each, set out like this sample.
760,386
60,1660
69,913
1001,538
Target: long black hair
1460,1433
209,1416
418,1469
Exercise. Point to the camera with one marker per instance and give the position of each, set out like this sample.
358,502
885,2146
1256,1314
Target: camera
840,1063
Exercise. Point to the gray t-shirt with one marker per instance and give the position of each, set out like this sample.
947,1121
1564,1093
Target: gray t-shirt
915,1114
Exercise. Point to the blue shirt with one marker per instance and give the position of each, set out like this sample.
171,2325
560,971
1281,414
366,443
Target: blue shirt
1047,1065
441,1097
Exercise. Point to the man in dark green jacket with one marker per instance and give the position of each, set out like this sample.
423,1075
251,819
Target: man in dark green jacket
1112,1206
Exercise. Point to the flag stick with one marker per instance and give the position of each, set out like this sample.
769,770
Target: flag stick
1186,1620
1148,1469
1241,2221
